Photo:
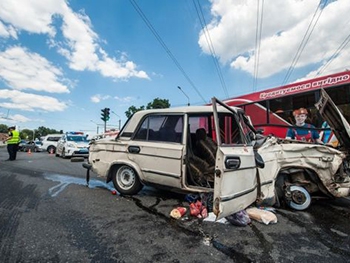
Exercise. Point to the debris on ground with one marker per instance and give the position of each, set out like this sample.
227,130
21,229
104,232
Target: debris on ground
198,210
241,218
212,218
262,215
178,212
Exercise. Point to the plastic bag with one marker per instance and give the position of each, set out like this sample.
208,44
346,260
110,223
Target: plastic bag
178,212
241,218
262,216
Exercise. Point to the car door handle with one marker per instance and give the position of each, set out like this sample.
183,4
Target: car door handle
233,162
134,149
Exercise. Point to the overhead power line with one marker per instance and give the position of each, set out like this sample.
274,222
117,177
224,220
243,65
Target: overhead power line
170,54
259,23
210,45
335,54
305,39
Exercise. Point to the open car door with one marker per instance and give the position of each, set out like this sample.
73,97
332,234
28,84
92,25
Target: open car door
335,119
235,186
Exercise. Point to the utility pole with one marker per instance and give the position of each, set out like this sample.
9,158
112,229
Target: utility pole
97,126
119,121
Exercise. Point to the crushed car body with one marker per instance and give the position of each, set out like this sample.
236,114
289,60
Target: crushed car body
215,149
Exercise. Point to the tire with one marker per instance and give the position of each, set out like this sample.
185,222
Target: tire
64,154
51,147
300,198
126,180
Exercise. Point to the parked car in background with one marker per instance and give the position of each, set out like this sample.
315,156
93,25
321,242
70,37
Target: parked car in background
49,142
33,146
73,144
215,149
21,145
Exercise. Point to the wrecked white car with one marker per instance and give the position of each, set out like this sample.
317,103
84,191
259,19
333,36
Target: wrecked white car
215,149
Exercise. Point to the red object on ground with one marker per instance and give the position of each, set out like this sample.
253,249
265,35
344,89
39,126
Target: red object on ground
114,192
178,212
194,211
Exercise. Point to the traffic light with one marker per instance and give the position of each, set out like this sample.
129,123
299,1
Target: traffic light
105,114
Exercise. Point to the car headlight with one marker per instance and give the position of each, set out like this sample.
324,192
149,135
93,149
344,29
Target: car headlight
71,145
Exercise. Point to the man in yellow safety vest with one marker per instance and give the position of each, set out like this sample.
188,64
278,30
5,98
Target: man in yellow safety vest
12,143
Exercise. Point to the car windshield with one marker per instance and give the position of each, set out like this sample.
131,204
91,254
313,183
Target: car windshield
77,138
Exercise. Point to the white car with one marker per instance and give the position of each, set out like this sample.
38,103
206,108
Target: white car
215,149
72,144
49,142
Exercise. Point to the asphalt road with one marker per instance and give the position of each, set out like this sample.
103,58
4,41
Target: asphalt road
48,214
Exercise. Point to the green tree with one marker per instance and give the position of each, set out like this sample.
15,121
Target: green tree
157,103
26,134
43,131
3,128
132,109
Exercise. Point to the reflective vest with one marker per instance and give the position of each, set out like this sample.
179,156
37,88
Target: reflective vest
15,138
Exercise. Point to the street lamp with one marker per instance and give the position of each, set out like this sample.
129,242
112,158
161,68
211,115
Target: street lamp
119,119
188,99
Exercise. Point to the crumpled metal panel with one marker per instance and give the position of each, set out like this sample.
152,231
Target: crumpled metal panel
323,160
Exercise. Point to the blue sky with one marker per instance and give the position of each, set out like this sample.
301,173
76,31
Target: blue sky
61,62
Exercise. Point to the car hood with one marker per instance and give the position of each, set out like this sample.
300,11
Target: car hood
335,119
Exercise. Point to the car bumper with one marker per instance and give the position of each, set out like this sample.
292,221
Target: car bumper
74,152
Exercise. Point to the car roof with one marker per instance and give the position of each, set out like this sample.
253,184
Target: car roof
54,135
138,116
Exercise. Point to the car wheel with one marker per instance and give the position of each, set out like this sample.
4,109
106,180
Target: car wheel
51,149
299,198
126,180
64,153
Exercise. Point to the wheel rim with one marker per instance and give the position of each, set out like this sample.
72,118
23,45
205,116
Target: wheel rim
300,198
126,178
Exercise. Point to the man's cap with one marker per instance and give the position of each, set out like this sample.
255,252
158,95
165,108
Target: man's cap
12,128
300,111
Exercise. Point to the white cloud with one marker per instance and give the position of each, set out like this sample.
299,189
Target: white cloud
15,119
84,52
19,118
98,98
7,31
233,29
80,44
34,16
125,99
22,69
29,102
